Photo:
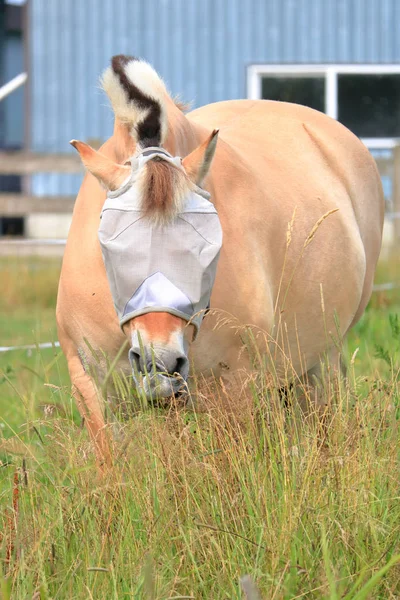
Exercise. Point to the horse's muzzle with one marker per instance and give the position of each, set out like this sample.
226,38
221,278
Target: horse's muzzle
157,386
158,371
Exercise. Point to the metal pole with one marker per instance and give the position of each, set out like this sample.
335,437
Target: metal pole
12,85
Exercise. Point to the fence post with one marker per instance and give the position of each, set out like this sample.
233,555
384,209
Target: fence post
396,194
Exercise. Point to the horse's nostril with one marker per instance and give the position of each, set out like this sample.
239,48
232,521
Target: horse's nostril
180,364
135,360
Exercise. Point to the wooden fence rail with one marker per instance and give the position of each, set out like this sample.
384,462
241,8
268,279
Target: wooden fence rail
30,163
20,205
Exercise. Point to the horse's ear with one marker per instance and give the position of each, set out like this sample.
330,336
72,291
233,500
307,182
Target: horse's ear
108,172
198,162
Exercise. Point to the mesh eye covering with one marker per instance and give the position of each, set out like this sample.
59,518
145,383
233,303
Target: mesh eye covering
159,268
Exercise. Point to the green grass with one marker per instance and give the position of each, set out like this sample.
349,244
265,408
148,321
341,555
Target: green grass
308,508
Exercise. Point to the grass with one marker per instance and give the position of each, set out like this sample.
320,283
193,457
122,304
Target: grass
309,508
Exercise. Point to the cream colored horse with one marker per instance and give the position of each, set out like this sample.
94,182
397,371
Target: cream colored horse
301,206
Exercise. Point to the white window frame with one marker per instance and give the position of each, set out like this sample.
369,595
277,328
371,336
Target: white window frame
330,73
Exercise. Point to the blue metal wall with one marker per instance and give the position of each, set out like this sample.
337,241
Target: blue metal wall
13,105
200,47
11,65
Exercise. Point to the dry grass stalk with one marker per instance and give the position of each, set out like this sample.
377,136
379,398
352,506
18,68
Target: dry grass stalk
290,228
313,231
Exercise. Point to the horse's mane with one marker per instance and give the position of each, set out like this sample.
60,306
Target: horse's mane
181,104
163,189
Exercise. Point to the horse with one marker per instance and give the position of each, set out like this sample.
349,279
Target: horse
299,203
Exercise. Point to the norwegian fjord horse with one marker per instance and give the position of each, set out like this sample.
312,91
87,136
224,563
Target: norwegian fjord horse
300,203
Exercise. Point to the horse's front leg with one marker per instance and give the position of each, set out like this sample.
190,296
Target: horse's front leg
89,402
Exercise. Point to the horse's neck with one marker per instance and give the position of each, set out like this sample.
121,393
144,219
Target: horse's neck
183,135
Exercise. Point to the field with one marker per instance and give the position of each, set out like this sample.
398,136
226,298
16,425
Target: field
308,508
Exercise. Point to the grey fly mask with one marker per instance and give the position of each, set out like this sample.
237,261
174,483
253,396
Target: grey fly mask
153,268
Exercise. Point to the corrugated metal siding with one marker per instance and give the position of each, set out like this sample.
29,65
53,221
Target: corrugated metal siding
12,133
200,47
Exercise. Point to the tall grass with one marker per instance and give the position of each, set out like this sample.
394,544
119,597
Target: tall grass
244,485
28,283
28,299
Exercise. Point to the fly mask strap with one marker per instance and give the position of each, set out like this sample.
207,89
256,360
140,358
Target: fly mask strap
154,150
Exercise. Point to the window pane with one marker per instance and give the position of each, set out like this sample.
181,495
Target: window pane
309,91
369,105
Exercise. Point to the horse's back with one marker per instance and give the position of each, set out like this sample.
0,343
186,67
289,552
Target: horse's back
267,128
304,158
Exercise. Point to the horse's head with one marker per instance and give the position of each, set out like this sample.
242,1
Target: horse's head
160,238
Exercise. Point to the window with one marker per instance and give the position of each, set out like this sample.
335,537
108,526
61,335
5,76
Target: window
309,91
12,226
369,105
365,98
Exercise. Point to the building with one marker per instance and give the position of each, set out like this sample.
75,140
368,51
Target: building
339,56
11,108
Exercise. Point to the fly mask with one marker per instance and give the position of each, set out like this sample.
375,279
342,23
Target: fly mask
159,267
